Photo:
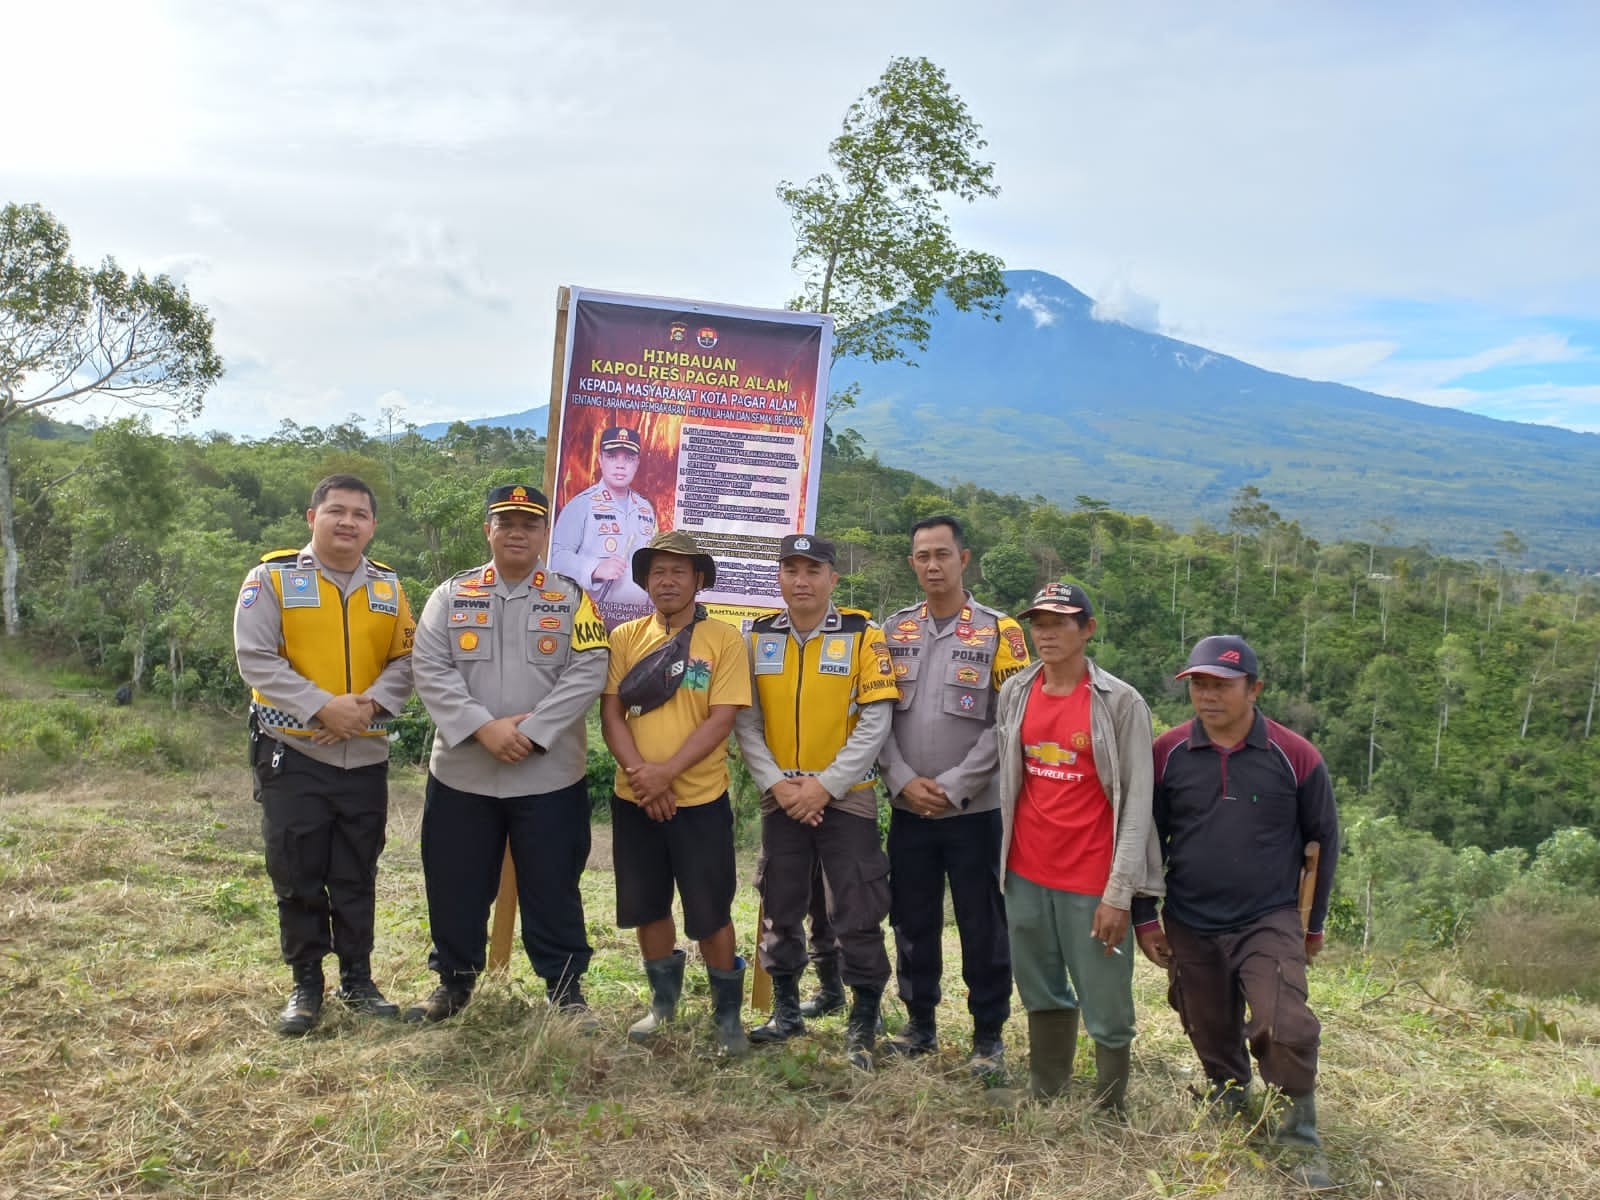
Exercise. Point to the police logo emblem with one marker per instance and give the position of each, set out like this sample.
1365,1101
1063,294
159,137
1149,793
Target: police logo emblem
547,645
468,641
248,594
802,543
967,702
611,545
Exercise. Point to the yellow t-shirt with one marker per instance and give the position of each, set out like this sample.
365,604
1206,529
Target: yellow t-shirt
718,672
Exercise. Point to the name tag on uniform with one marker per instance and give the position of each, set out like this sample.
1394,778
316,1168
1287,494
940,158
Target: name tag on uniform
300,589
835,658
770,649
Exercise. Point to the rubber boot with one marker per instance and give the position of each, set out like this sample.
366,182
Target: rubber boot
785,1021
666,986
920,1036
444,1002
566,997
1227,1099
829,996
727,1003
1111,1067
1052,1046
1297,1135
861,1033
300,1014
357,991
988,1058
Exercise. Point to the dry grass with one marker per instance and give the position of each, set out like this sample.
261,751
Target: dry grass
138,982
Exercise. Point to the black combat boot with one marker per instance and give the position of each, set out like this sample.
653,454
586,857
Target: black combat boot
920,1036
566,997
666,986
1052,1046
988,1058
359,993
727,1003
444,1002
861,1034
785,1021
1111,1069
300,1014
829,996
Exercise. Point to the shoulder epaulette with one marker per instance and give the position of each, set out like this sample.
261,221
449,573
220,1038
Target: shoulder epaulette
767,623
906,609
275,556
853,620
384,567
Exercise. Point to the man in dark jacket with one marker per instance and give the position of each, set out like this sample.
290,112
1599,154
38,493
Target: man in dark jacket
1237,799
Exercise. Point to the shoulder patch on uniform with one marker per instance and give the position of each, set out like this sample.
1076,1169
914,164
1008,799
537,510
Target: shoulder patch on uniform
766,623
277,556
571,584
373,565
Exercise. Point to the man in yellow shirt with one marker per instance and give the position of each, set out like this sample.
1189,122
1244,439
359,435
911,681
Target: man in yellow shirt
676,681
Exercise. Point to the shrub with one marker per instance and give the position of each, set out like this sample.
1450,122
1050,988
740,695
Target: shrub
1532,942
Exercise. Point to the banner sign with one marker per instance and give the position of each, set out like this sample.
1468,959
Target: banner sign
677,414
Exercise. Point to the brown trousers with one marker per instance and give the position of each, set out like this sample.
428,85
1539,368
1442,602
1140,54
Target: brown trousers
1215,977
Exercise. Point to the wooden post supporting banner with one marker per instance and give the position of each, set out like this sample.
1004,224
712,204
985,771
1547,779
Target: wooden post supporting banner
505,903
760,981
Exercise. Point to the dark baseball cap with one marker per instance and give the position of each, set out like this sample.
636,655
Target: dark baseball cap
517,497
1226,655
805,545
616,437
1059,598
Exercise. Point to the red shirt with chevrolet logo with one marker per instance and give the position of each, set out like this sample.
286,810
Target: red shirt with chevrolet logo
1062,835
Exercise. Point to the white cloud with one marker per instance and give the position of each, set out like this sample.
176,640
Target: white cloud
1037,307
1118,301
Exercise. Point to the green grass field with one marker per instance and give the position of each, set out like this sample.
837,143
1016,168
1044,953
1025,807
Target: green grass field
139,982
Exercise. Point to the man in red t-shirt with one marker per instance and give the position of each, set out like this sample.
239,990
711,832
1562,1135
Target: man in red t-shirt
1078,843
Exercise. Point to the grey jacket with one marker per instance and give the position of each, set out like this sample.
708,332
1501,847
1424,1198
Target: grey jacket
1120,731
490,647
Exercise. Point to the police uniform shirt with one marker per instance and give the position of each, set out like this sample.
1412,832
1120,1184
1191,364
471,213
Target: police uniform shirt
943,727
600,523
488,647
825,685
293,698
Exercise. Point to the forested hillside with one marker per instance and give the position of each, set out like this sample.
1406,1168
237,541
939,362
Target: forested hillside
1457,697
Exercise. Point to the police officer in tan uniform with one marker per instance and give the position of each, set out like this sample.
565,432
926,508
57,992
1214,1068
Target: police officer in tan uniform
950,655
508,658
598,530
323,638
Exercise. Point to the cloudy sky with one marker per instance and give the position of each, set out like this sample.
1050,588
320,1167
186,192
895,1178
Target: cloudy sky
377,202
